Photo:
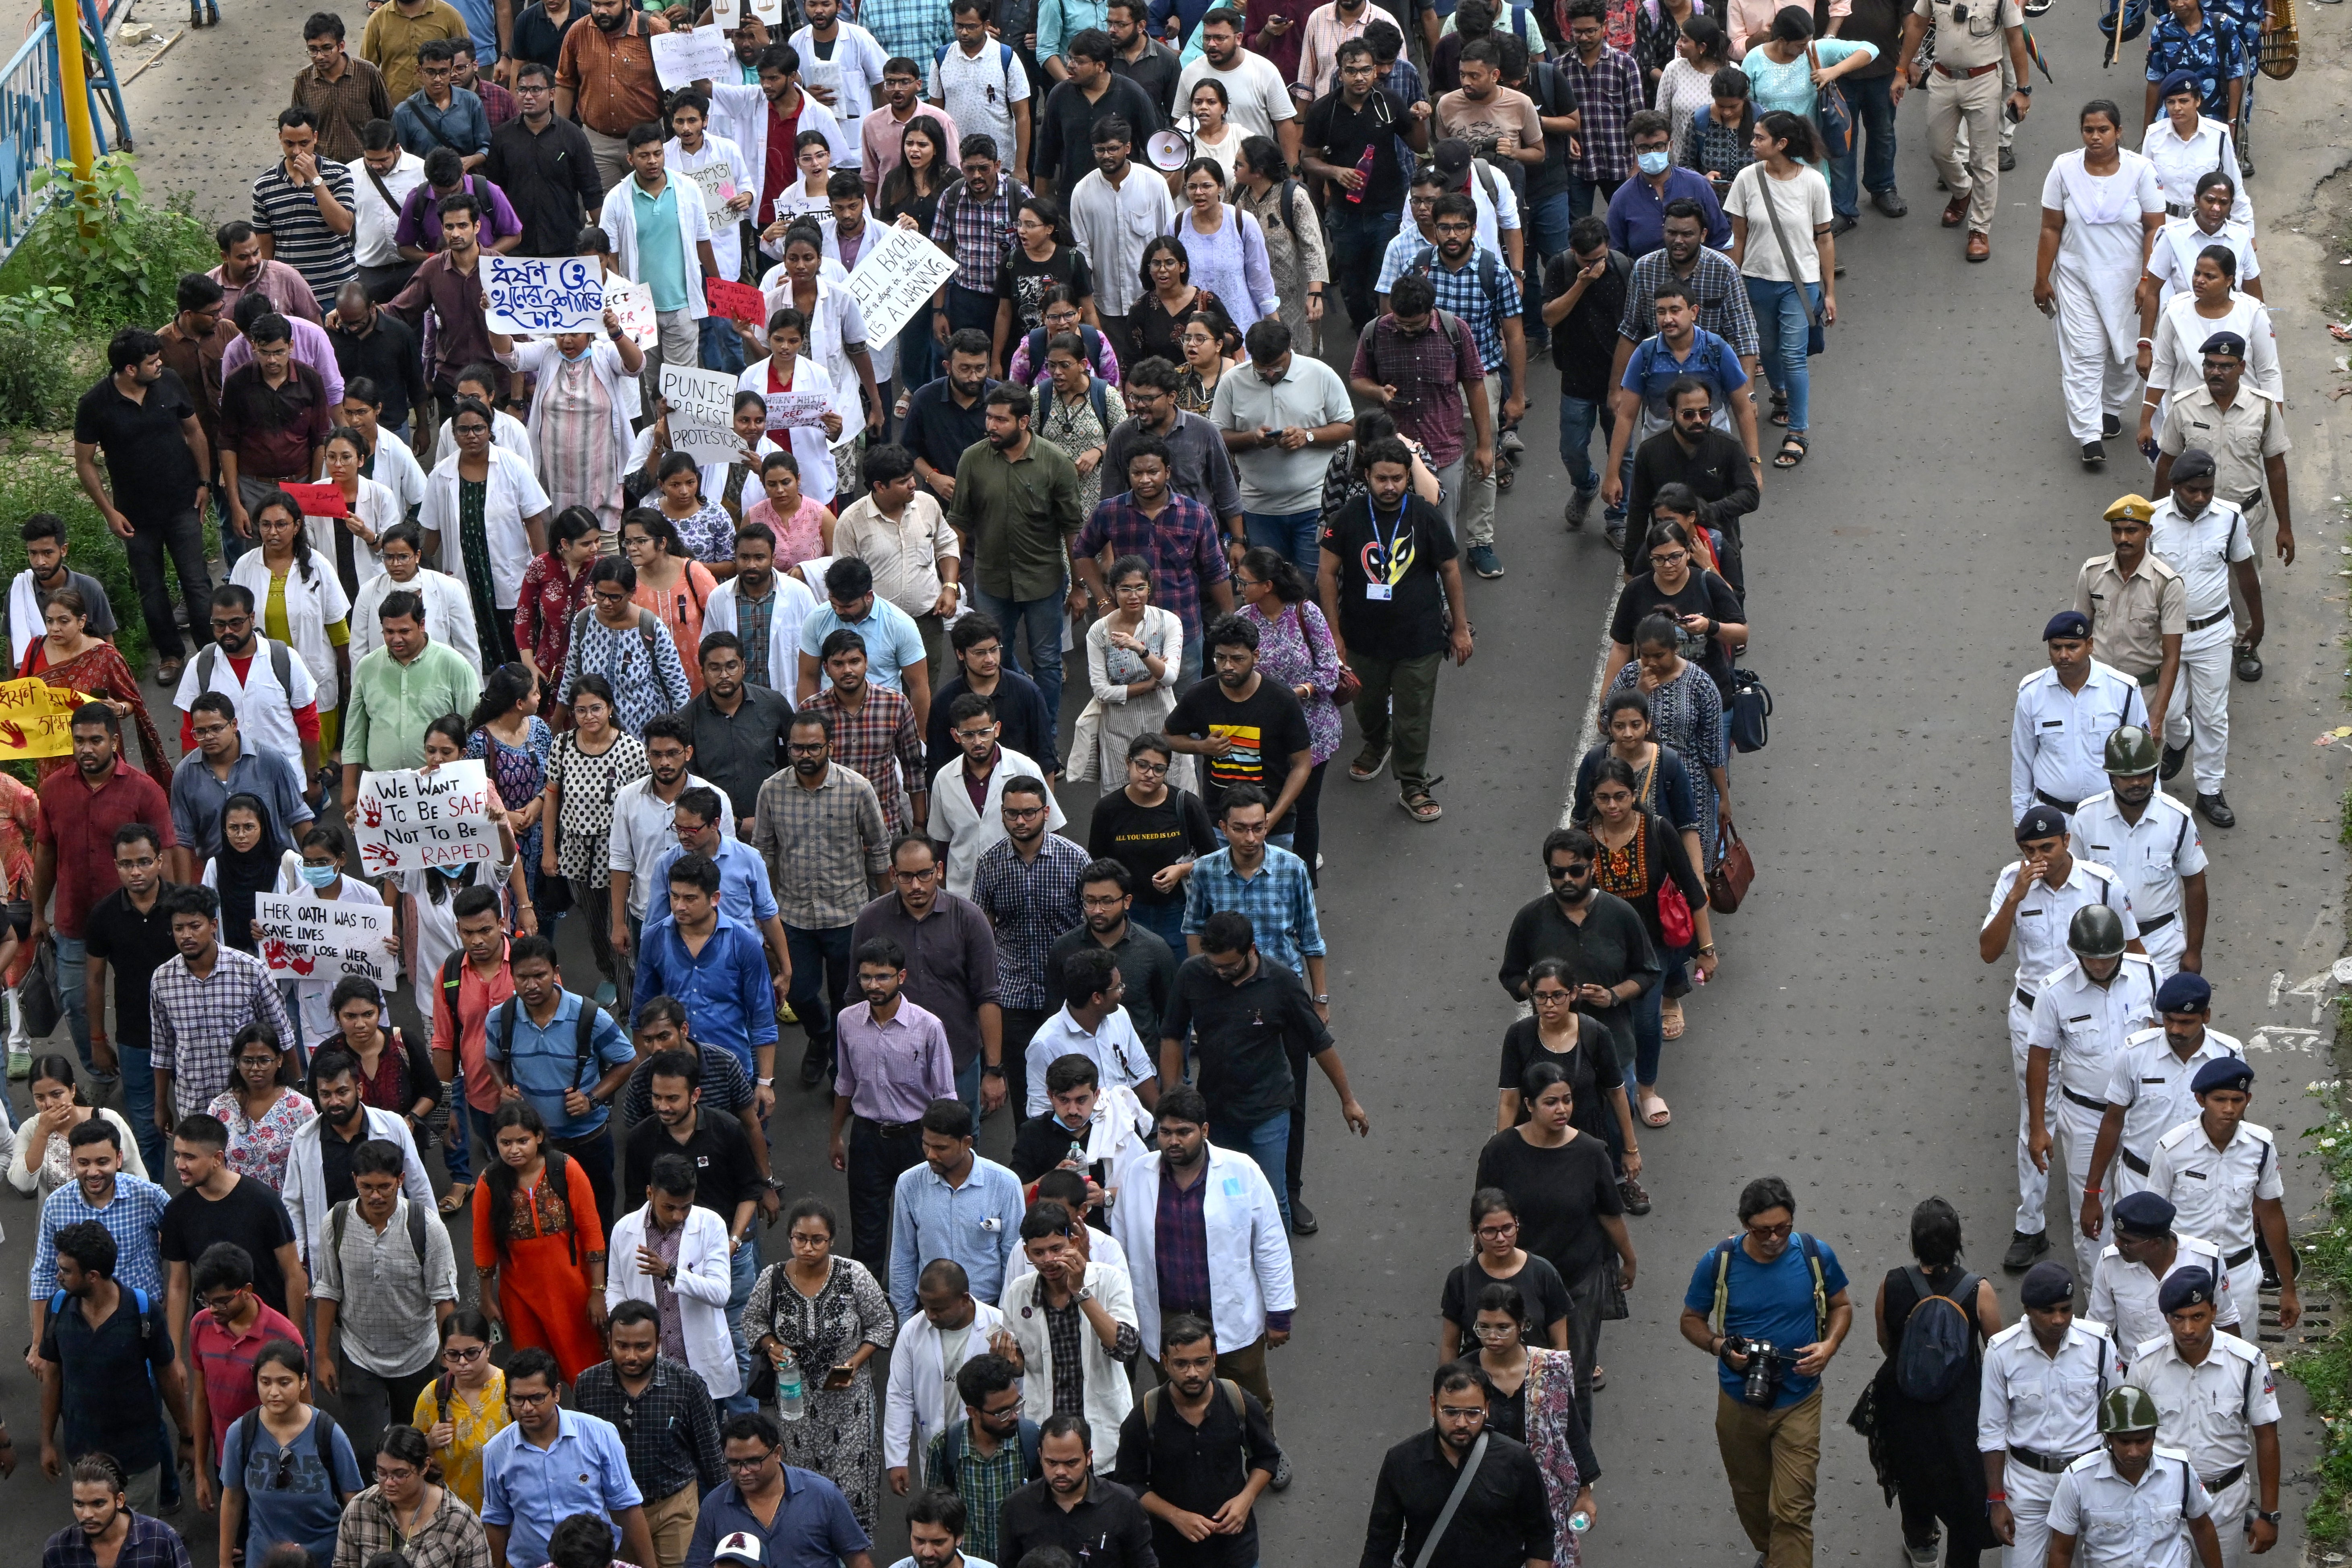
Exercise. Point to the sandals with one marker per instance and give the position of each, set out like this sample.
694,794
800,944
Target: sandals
1670,1019
1791,452
454,1198
1779,414
1655,1111
1369,763
1420,804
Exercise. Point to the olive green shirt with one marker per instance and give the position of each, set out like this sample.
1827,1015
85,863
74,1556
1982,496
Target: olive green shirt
1019,517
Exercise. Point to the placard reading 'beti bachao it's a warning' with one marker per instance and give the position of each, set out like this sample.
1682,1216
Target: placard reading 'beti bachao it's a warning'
895,278
306,939
413,821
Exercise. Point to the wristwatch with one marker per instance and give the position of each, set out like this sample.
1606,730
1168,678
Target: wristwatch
1322,999
992,1072
2269,1518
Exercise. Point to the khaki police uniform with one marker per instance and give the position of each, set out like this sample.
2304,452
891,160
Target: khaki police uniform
2083,1025
2116,1524
2152,856
2151,1081
2042,1411
2058,739
1966,87
2202,549
2240,438
2209,1411
2213,1193
2132,613
2038,935
2124,1294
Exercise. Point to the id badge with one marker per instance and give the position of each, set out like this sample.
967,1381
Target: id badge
1379,593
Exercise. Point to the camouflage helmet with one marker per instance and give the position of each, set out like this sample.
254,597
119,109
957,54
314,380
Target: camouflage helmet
2131,752
2125,1410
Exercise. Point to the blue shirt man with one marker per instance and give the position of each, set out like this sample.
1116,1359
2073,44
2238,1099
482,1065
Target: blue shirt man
1637,213
544,1059
200,795
811,1526
1769,1290
724,986
422,126
742,882
550,1464
954,1204
893,642
1655,366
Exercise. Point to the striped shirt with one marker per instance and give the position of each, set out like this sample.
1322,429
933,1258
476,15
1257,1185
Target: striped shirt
299,238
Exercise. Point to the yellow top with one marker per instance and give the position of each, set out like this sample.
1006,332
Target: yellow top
476,1421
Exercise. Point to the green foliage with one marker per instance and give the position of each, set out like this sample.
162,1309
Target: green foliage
124,265
2325,1371
38,384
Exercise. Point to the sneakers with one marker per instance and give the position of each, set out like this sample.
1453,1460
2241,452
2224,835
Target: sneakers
20,1062
1483,561
2022,1250
1637,1199
2094,455
1919,1556
2110,426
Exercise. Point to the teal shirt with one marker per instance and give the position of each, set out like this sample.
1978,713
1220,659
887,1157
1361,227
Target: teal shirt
391,703
660,257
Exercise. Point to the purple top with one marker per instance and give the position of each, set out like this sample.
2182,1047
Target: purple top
312,347
1025,372
890,1072
1296,650
420,215
1229,264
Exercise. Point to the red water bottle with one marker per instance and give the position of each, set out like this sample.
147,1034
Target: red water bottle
1363,168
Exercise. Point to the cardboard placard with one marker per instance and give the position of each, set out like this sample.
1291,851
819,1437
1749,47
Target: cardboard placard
895,278
701,412
538,294
736,301
309,939
771,12
727,14
318,500
632,304
717,182
410,820
798,410
681,59
36,718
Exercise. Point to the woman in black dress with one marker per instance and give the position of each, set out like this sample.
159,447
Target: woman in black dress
1930,1450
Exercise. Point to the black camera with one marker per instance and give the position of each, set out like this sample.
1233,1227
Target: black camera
1768,1366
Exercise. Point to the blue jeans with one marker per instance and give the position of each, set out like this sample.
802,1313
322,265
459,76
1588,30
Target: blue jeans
743,1274
1648,1033
1044,665
1578,418
1268,1143
73,986
1873,109
1167,923
1781,327
721,346
1357,238
968,1087
1296,534
139,1104
1584,194
457,1153
1546,223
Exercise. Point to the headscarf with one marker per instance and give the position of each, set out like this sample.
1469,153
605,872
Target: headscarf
243,875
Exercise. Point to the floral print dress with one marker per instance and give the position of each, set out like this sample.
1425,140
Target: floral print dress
838,1439
521,773
1297,649
258,1149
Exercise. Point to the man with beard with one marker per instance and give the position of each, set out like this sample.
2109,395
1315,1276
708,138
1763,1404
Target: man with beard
977,644
2152,842
104,1357
1114,207
319,1166
739,727
712,963
545,165
145,420
727,1180
925,1398
566,1056
661,1405
821,831
935,1526
880,132
448,286
106,1528
1016,499
1248,730
874,733
1027,885
1597,934
955,1205
1146,962
2210,544
944,418
1697,451
765,122
763,608
243,268
645,829
606,73
950,960
208,1000
1071,1508
894,1061
387,1277
1198,1452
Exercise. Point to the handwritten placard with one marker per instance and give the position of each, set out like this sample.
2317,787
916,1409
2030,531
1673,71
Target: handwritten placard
631,305
701,412
681,59
798,410
717,182
736,301
317,500
307,939
411,821
540,294
36,718
895,278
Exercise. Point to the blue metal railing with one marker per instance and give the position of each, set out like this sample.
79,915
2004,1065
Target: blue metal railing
32,112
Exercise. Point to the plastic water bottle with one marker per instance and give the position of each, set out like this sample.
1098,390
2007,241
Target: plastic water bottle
1580,1522
792,1400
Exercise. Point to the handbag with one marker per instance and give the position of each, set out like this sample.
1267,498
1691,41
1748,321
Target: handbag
1833,115
1735,870
1674,921
1345,689
1452,1503
1815,339
42,1002
1751,711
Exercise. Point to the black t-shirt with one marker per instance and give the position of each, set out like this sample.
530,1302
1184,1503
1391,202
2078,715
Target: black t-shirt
1155,72
1554,99
251,1215
134,946
1406,552
1592,1067
1703,594
1561,1194
107,1399
1245,1038
1586,338
537,38
1343,133
1541,1291
1066,135
725,1171
1266,729
1148,839
937,429
147,465
1025,282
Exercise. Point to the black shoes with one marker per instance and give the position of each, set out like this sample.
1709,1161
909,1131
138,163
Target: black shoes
2094,455
2170,769
2216,810
1302,1218
1841,224
1890,201
2008,159
813,1068
2250,664
2022,1250
2110,426
1637,1200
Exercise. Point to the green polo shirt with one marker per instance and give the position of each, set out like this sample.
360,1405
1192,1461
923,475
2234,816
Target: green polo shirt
391,703
1019,517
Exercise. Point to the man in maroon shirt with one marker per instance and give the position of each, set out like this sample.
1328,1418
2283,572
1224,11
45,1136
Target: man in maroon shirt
449,285
73,854
274,421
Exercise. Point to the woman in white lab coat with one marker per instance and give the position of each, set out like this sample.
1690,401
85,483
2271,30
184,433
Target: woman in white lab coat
812,445
298,600
354,542
2100,210
835,337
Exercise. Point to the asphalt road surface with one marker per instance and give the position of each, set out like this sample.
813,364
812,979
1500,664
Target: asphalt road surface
1853,1043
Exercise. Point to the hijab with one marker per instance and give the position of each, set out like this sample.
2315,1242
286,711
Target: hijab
243,875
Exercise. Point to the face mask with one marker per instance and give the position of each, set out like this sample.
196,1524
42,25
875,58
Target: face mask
452,872
1652,162
321,876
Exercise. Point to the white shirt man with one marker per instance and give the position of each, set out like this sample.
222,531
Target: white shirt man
2124,1289
1113,224
374,218
306,1180
2202,549
2142,1525
1108,1395
265,704
448,612
2210,1409
2154,856
850,67
2148,1088
700,1280
2080,1026
2057,738
2215,1190
1257,99
2040,1406
1118,1054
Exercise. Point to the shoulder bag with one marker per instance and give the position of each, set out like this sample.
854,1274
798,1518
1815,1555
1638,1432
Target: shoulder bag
1452,1503
1815,339
1735,870
1833,115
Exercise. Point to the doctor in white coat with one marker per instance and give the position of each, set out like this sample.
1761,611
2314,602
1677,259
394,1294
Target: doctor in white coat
1251,1291
700,1278
1109,1340
336,1088
949,1329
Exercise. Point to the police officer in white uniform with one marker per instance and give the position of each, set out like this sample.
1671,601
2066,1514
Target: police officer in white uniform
2208,543
2221,1172
2034,900
2151,841
2147,1094
2058,735
2038,1408
2147,1252
2130,1503
2216,1401
2081,1018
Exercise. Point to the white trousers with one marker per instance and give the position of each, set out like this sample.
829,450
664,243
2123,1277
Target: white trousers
2077,1133
2166,946
2095,371
2029,1491
2231,1506
2203,692
2033,1185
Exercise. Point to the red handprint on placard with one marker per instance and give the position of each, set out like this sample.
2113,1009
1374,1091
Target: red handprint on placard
13,732
302,965
273,952
372,811
378,857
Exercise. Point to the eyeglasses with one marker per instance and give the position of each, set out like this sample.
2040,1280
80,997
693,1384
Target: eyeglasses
463,1356
390,1478
745,1466
1497,1232
987,734
926,873
1111,902
1022,812
1548,998
1670,558
1495,1331
1149,770
1575,868
1772,1232
808,748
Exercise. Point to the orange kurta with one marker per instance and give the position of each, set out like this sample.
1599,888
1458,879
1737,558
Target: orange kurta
544,1277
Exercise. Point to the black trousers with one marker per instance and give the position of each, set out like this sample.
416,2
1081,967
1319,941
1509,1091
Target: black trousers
594,1153
877,1160
182,536
1021,1024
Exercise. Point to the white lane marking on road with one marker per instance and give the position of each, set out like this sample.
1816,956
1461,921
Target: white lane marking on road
2272,1038
1589,732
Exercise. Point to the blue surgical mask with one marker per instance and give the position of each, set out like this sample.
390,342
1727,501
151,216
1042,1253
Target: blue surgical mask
321,876
452,872
1652,162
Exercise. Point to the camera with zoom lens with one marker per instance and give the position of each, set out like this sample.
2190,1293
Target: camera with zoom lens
1768,1366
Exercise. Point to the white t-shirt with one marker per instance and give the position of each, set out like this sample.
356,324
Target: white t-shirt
2102,238
851,73
979,93
1803,205
1256,96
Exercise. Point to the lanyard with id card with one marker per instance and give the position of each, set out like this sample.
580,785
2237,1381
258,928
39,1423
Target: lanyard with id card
1382,592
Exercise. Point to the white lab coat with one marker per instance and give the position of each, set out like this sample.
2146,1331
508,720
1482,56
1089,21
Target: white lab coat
265,709
306,1178
377,509
619,220
920,1400
703,1282
507,433
790,603
1107,1397
1249,1254
968,832
310,608
514,494
820,475
448,613
740,113
835,323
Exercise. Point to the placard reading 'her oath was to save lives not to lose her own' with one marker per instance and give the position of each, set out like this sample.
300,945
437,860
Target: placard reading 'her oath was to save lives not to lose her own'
411,820
308,939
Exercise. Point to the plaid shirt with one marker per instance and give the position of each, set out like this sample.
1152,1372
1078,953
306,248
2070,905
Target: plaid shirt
498,104
1724,149
1442,359
1279,901
984,1484
1030,902
822,846
917,29
670,1431
1180,1246
1181,543
152,1543
133,1217
192,1021
1404,81
1716,287
452,1537
979,234
1065,1328
1608,92
878,740
1467,293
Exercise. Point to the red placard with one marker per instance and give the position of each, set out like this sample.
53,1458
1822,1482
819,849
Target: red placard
736,301
317,500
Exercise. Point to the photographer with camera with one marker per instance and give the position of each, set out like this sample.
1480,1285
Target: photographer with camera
1770,1306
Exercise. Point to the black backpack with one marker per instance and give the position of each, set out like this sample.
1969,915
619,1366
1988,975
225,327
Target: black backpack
1938,1344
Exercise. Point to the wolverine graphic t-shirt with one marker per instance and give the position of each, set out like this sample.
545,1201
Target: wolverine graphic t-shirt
1265,728
1389,595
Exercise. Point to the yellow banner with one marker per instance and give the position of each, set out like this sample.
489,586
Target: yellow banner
36,718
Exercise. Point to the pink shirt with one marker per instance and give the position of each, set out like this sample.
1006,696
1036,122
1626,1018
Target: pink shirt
802,539
226,1360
